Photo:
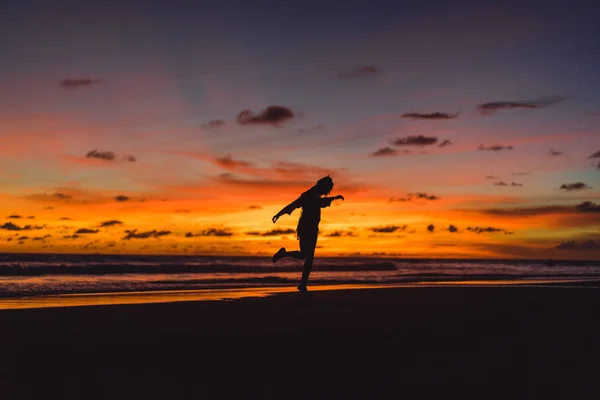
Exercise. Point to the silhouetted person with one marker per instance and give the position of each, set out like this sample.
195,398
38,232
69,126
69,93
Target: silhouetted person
308,225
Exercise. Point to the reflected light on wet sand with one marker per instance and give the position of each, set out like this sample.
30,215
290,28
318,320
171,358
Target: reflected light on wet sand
168,296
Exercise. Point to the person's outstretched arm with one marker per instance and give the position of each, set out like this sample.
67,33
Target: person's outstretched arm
289,208
326,201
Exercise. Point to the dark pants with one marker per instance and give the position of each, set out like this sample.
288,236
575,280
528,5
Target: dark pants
308,243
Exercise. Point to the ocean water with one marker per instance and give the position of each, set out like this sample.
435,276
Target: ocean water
25,275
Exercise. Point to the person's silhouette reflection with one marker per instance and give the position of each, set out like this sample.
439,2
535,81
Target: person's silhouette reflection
308,225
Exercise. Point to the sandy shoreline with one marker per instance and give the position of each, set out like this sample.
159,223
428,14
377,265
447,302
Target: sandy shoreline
504,342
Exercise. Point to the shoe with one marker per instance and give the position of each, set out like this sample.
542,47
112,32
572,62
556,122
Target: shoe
302,287
279,254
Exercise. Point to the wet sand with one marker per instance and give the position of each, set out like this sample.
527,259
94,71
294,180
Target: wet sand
463,342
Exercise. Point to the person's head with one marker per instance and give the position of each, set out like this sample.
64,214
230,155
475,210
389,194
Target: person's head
324,185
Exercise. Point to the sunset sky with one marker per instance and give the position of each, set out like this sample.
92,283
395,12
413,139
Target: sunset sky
452,129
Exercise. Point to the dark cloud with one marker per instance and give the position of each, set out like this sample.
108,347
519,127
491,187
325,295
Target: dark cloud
41,238
84,231
595,155
121,198
570,187
491,107
489,229
502,183
361,72
14,216
210,232
130,158
340,234
62,196
588,206
277,232
64,219
254,207
215,123
388,228
23,238
435,115
412,196
431,228
31,217
495,147
272,115
554,153
516,184
445,143
134,234
418,140
71,236
112,222
385,152
74,83
229,162
452,229
9,226
102,155
588,245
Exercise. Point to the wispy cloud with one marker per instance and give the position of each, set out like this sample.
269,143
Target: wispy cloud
554,153
413,196
134,234
495,147
9,226
488,229
388,228
272,115
492,107
85,231
210,232
416,140
74,83
112,222
102,155
572,245
429,116
385,152
445,143
361,72
571,187
215,123
272,232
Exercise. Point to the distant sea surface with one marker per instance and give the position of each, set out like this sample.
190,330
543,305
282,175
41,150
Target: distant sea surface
23,275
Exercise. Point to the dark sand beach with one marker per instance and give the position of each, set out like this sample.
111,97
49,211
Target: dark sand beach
458,342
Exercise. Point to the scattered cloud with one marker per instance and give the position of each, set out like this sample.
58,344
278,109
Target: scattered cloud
9,226
431,228
62,196
84,231
434,115
215,123
570,187
41,238
340,234
210,232
418,140
516,184
75,236
554,153
501,183
491,177
23,238
361,72
388,228
121,198
229,163
412,196
130,158
489,229
385,152
495,147
520,173
272,115
254,207
273,232
14,216
452,229
588,245
445,143
134,234
595,155
74,83
102,155
492,107
588,206
112,222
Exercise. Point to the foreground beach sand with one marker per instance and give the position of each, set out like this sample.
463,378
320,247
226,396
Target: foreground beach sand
463,342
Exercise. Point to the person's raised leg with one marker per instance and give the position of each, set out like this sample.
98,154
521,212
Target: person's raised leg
283,253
